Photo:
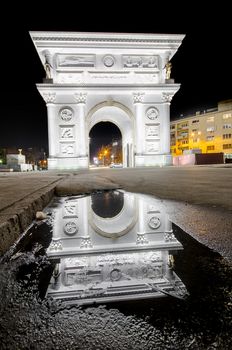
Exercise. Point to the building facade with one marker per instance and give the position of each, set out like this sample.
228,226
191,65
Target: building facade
120,78
209,131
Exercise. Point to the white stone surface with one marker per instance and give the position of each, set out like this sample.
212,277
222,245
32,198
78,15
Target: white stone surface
107,77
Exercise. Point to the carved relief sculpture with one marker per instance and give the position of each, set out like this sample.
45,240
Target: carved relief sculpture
66,114
66,133
138,97
80,97
134,61
76,60
108,60
152,113
49,97
70,228
154,222
70,210
67,148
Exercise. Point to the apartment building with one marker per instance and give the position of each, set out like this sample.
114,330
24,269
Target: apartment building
209,131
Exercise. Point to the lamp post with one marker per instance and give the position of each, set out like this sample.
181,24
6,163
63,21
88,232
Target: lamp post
104,154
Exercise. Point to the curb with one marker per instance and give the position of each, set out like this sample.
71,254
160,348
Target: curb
15,219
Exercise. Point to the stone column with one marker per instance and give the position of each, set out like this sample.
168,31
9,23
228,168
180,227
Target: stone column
165,146
49,98
141,235
81,100
85,239
138,98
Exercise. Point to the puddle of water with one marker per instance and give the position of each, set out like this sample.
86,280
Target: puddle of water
112,246
88,256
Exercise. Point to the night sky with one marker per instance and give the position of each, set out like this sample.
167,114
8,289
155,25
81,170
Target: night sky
203,64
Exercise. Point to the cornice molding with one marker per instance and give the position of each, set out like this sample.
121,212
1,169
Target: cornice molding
107,37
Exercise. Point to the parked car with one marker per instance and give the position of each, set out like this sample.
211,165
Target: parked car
116,165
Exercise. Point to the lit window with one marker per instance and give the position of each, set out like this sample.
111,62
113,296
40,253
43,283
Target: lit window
226,136
226,115
210,129
210,148
210,119
227,146
209,138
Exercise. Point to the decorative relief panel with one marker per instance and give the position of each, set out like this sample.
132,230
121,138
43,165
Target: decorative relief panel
86,242
134,61
66,114
154,222
138,97
141,239
70,210
152,147
75,61
167,96
80,97
152,113
56,245
66,133
67,149
49,97
70,228
152,131
108,61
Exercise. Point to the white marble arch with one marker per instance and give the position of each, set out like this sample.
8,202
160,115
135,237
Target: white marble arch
122,117
126,69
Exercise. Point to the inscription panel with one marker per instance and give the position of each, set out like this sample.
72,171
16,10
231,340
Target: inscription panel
152,131
152,146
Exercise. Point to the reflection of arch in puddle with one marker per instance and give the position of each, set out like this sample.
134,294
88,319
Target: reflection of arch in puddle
107,204
126,214
141,223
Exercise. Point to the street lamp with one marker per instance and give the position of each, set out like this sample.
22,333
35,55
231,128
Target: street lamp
104,154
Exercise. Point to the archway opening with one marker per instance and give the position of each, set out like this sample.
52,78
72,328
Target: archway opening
107,204
105,145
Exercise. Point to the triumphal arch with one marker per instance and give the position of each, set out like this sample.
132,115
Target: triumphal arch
120,78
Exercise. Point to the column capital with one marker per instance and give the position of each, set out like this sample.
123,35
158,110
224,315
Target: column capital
80,97
167,96
138,97
49,97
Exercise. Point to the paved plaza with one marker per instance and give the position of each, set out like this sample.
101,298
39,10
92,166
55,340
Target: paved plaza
197,198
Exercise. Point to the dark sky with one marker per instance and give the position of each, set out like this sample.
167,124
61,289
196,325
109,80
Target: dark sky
202,64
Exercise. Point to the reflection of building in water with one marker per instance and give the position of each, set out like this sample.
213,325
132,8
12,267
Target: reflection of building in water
124,254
